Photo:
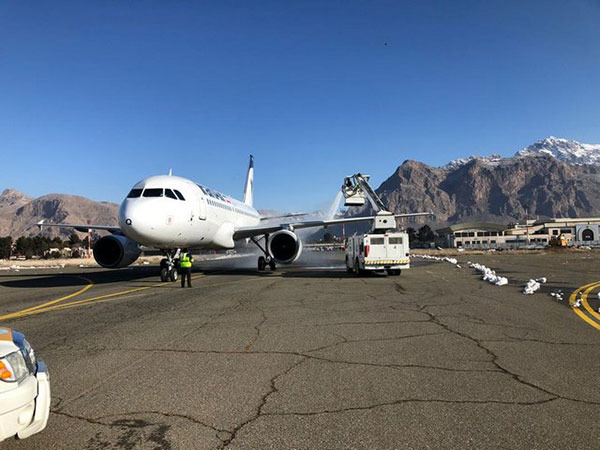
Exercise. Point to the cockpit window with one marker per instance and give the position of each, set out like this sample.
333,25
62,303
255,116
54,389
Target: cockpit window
169,193
153,192
181,197
134,193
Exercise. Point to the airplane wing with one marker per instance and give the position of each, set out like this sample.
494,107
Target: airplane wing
285,216
80,227
248,232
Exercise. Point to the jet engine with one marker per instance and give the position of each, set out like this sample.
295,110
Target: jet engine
285,246
116,251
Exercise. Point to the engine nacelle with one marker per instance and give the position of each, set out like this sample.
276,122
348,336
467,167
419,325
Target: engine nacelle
285,246
116,251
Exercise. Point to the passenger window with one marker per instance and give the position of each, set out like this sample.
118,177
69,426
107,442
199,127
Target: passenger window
134,193
395,240
181,197
154,192
376,241
169,193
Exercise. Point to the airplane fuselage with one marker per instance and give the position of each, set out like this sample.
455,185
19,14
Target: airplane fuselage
169,212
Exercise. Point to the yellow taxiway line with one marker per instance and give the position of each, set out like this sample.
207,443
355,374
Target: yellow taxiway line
58,304
592,317
50,303
117,295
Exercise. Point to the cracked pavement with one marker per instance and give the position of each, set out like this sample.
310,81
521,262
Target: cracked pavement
306,358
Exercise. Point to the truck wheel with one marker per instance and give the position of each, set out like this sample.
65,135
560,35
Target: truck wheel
357,270
394,272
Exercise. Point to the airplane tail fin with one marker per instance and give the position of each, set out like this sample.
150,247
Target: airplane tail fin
249,188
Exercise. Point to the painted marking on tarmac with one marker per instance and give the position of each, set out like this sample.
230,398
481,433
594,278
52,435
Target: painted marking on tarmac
105,298
55,305
50,303
589,316
119,296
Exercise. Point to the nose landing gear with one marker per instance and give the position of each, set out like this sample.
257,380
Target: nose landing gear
267,260
168,266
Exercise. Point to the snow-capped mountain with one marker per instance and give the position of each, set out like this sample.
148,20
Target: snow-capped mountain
498,192
492,160
565,150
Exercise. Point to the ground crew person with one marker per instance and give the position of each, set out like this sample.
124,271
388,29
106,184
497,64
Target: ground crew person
185,267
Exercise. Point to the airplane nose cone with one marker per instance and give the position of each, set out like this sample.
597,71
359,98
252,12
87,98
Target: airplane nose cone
126,212
137,220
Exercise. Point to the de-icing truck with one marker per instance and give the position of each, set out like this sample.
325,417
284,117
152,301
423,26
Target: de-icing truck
383,249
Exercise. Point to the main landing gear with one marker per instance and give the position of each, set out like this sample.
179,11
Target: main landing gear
168,266
267,260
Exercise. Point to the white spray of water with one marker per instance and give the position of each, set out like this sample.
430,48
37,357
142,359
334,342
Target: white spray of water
335,206
328,214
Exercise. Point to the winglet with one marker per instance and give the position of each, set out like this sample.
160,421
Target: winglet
40,223
170,172
249,188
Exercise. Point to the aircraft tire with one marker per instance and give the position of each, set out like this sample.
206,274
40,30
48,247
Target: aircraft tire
261,263
272,265
173,275
164,274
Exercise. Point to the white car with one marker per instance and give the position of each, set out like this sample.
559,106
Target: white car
24,387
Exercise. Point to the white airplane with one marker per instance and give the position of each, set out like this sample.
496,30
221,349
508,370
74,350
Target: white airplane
170,213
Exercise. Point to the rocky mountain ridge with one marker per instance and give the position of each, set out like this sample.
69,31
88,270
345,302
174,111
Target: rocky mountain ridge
19,213
476,190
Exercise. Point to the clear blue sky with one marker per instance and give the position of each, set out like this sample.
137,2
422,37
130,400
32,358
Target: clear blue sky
95,95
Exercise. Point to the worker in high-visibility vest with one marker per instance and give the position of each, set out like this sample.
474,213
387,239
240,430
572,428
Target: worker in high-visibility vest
185,267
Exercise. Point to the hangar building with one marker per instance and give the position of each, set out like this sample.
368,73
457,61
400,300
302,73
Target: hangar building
526,234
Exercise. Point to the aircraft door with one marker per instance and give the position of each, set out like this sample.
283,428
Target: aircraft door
202,210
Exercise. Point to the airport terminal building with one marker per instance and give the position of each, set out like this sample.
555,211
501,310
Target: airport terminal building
527,234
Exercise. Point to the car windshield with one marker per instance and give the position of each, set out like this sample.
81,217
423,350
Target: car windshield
153,192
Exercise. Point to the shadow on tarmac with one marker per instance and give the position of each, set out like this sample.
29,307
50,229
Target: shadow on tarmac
325,267
151,275
37,280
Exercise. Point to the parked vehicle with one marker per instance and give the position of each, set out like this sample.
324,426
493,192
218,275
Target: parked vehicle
24,387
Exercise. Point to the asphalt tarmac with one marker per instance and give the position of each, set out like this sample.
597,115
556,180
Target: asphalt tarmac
311,357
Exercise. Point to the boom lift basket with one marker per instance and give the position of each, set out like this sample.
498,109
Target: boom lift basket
353,194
